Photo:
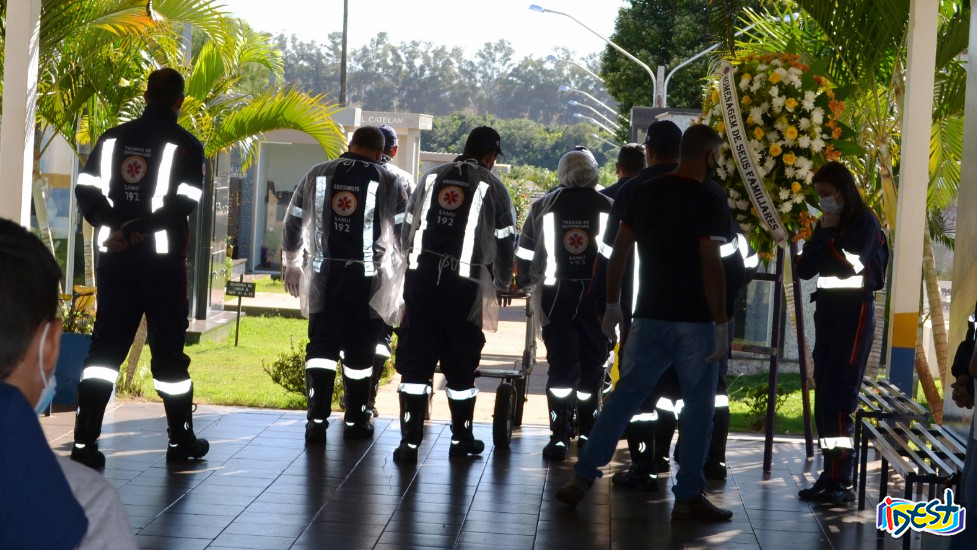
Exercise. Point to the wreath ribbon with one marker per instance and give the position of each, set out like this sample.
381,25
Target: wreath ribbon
743,155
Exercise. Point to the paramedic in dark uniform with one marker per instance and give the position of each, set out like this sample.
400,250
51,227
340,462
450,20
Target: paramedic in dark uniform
338,227
383,350
140,183
560,241
848,253
459,259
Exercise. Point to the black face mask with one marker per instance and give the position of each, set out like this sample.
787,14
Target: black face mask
710,170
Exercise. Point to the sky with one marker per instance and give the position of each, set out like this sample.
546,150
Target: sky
461,23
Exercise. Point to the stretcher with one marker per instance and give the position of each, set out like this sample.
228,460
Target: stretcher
511,395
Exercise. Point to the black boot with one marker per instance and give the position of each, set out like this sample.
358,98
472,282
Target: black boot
664,430
463,442
184,445
642,475
412,407
379,363
358,425
586,416
93,397
319,387
561,411
715,467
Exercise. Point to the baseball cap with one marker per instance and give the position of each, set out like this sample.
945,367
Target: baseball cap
484,137
389,137
664,136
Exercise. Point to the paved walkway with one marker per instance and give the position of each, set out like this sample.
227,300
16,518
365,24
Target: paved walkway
260,488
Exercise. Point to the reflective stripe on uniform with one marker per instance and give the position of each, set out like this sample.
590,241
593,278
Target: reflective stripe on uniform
425,208
371,205
560,393
854,260
583,396
525,254
358,374
100,373
321,363
414,389
162,189
318,205
399,218
173,388
729,248
603,249
461,395
645,417
471,228
190,192
505,232
296,212
829,283
837,443
105,171
722,400
549,243
382,351
89,180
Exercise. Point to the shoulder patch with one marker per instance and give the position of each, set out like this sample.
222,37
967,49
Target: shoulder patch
133,169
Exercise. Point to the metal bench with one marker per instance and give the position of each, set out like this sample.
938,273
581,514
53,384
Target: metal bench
882,400
921,453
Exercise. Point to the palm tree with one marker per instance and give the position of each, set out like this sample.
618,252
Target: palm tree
861,46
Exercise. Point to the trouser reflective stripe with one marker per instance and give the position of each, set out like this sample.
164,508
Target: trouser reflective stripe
414,389
357,374
645,417
382,351
560,393
461,395
321,363
837,443
722,400
100,373
173,388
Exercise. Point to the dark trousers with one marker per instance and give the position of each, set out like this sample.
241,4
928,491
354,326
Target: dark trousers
156,289
436,328
346,322
843,337
576,348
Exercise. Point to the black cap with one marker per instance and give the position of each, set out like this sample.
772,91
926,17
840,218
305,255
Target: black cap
484,137
664,136
389,137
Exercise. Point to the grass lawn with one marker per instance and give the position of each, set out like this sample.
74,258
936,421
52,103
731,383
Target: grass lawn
745,391
269,284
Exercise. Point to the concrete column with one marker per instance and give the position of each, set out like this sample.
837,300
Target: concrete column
964,291
20,53
913,178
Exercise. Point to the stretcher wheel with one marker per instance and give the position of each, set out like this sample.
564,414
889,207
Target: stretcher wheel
520,401
505,410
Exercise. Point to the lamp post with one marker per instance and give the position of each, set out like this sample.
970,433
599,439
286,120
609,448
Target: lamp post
573,103
588,96
555,59
611,143
595,121
625,53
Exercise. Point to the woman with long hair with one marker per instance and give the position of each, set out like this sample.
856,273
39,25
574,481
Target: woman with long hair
848,253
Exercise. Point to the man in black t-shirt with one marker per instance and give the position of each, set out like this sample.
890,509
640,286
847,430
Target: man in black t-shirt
680,318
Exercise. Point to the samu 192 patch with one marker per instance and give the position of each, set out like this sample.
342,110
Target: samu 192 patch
575,240
451,197
133,169
344,203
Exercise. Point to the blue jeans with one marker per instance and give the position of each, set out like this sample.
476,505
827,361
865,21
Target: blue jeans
653,346
968,486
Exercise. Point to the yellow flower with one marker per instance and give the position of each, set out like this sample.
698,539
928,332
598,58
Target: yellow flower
774,150
715,96
746,100
791,103
746,76
749,120
789,160
720,127
758,132
790,132
796,186
774,77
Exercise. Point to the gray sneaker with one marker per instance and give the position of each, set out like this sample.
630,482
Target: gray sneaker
699,509
574,491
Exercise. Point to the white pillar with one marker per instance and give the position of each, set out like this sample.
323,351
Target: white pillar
964,291
20,53
913,178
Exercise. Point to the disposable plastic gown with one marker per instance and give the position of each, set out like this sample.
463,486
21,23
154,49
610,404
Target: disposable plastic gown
309,219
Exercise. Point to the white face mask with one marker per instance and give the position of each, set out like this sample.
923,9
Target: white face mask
830,205
50,384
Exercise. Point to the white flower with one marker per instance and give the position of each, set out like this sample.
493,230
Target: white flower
795,82
817,116
742,205
773,136
817,145
778,104
794,71
789,172
776,63
740,217
804,141
733,193
786,207
756,114
808,101
804,124
769,165
784,194
746,227
798,198
761,67
774,91
780,125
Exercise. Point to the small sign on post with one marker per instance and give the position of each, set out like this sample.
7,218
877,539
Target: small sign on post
240,289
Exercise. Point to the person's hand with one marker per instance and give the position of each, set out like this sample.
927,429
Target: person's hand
503,298
830,220
293,280
961,395
134,237
720,342
116,242
613,315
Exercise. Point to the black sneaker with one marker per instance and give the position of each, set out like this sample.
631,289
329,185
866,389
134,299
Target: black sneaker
809,493
699,509
88,454
633,479
187,452
358,430
555,450
573,491
405,453
465,448
663,465
836,492
315,433
715,471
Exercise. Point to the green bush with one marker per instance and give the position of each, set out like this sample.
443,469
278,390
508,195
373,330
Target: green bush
756,399
288,370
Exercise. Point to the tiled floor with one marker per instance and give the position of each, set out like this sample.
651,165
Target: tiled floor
260,488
